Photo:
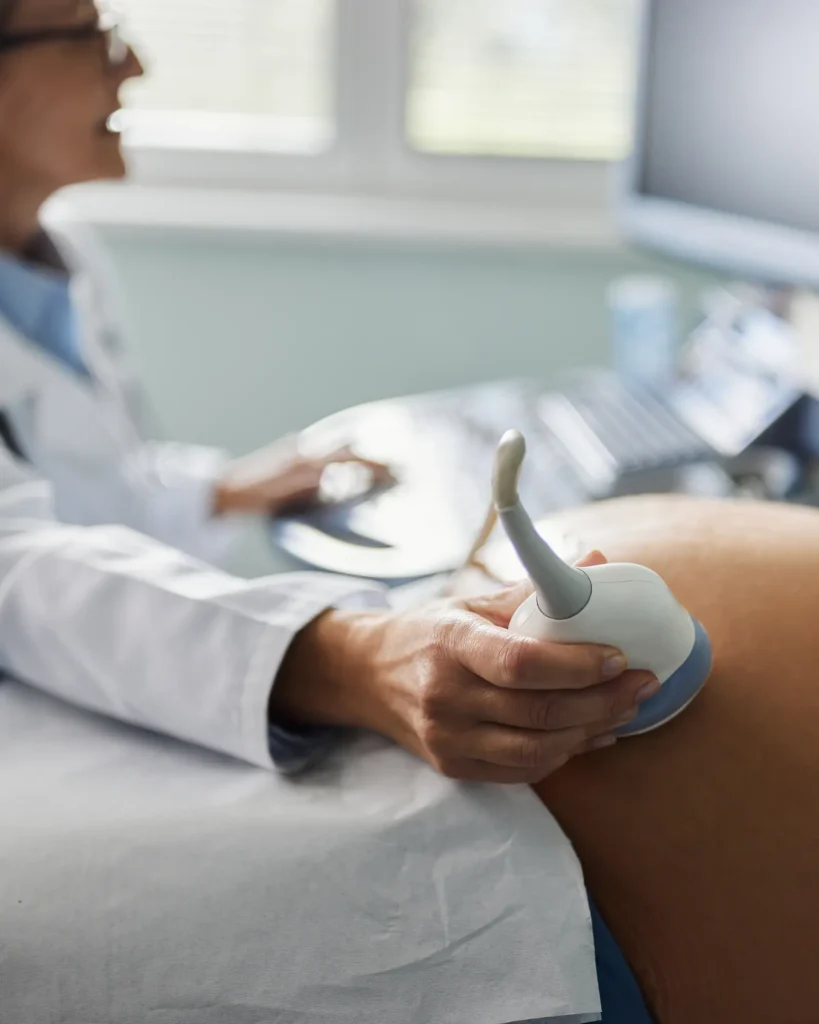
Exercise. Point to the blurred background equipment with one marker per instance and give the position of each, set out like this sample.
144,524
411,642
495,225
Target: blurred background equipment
645,330
715,141
334,201
726,159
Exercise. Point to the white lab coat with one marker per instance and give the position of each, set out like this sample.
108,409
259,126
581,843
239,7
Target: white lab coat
113,621
103,616
141,878
90,438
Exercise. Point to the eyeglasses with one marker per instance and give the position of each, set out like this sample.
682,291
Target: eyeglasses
108,26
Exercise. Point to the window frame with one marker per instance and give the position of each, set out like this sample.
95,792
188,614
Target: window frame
370,154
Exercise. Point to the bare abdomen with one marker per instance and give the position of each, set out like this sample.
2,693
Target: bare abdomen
700,842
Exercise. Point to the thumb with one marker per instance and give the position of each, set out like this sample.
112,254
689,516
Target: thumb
593,558
499,607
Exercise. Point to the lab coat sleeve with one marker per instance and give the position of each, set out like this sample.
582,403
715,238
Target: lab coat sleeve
172,488
112,621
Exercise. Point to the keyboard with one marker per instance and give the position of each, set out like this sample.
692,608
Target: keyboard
609,430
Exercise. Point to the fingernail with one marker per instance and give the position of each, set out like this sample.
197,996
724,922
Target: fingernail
648,691
626,719
602,742
615,664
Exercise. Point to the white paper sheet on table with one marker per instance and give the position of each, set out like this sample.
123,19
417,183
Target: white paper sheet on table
145,882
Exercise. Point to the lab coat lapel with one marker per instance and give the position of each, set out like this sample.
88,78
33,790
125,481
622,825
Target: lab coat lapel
54,410
97,300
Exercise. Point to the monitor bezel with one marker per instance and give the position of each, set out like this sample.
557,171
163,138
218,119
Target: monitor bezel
759,251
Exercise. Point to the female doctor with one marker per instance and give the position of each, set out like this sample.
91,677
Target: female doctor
85,429
110,619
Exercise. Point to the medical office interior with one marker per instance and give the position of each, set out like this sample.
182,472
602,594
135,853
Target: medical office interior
373,200
410,227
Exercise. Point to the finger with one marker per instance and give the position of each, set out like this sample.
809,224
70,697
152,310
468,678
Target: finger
602,742
382,474
593,558
470,770
521,663
499,607
561,709
306,492
301,483
537,753
348,454
525,749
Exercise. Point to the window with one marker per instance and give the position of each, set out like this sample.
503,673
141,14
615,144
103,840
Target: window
379,92
234,73
522,78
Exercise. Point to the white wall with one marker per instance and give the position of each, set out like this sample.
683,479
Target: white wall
240,339
244,339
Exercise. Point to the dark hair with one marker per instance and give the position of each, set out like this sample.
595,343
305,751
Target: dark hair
6,10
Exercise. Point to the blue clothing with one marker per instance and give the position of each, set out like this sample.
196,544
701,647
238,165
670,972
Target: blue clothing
294,750
36,301
620,998
620,994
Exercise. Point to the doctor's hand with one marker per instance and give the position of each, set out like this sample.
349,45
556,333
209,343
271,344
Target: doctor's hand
451,684
280,477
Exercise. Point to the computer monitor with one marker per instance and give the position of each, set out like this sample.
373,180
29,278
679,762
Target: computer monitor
725,168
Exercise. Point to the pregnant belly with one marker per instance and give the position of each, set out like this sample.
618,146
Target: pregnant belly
700,842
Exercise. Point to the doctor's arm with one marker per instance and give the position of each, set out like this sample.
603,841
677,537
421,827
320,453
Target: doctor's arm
112,621
193,497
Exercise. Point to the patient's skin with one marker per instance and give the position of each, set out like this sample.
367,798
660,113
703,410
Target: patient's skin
700,842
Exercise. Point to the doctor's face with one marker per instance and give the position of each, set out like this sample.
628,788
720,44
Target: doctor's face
61,68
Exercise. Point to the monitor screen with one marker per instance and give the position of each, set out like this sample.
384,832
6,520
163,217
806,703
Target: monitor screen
728,124
732,107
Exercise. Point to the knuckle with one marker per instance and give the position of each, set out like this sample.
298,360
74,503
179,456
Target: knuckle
438,691
432,737
431,695
439,635
443,637
616,703
531,753
513,662
544,712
